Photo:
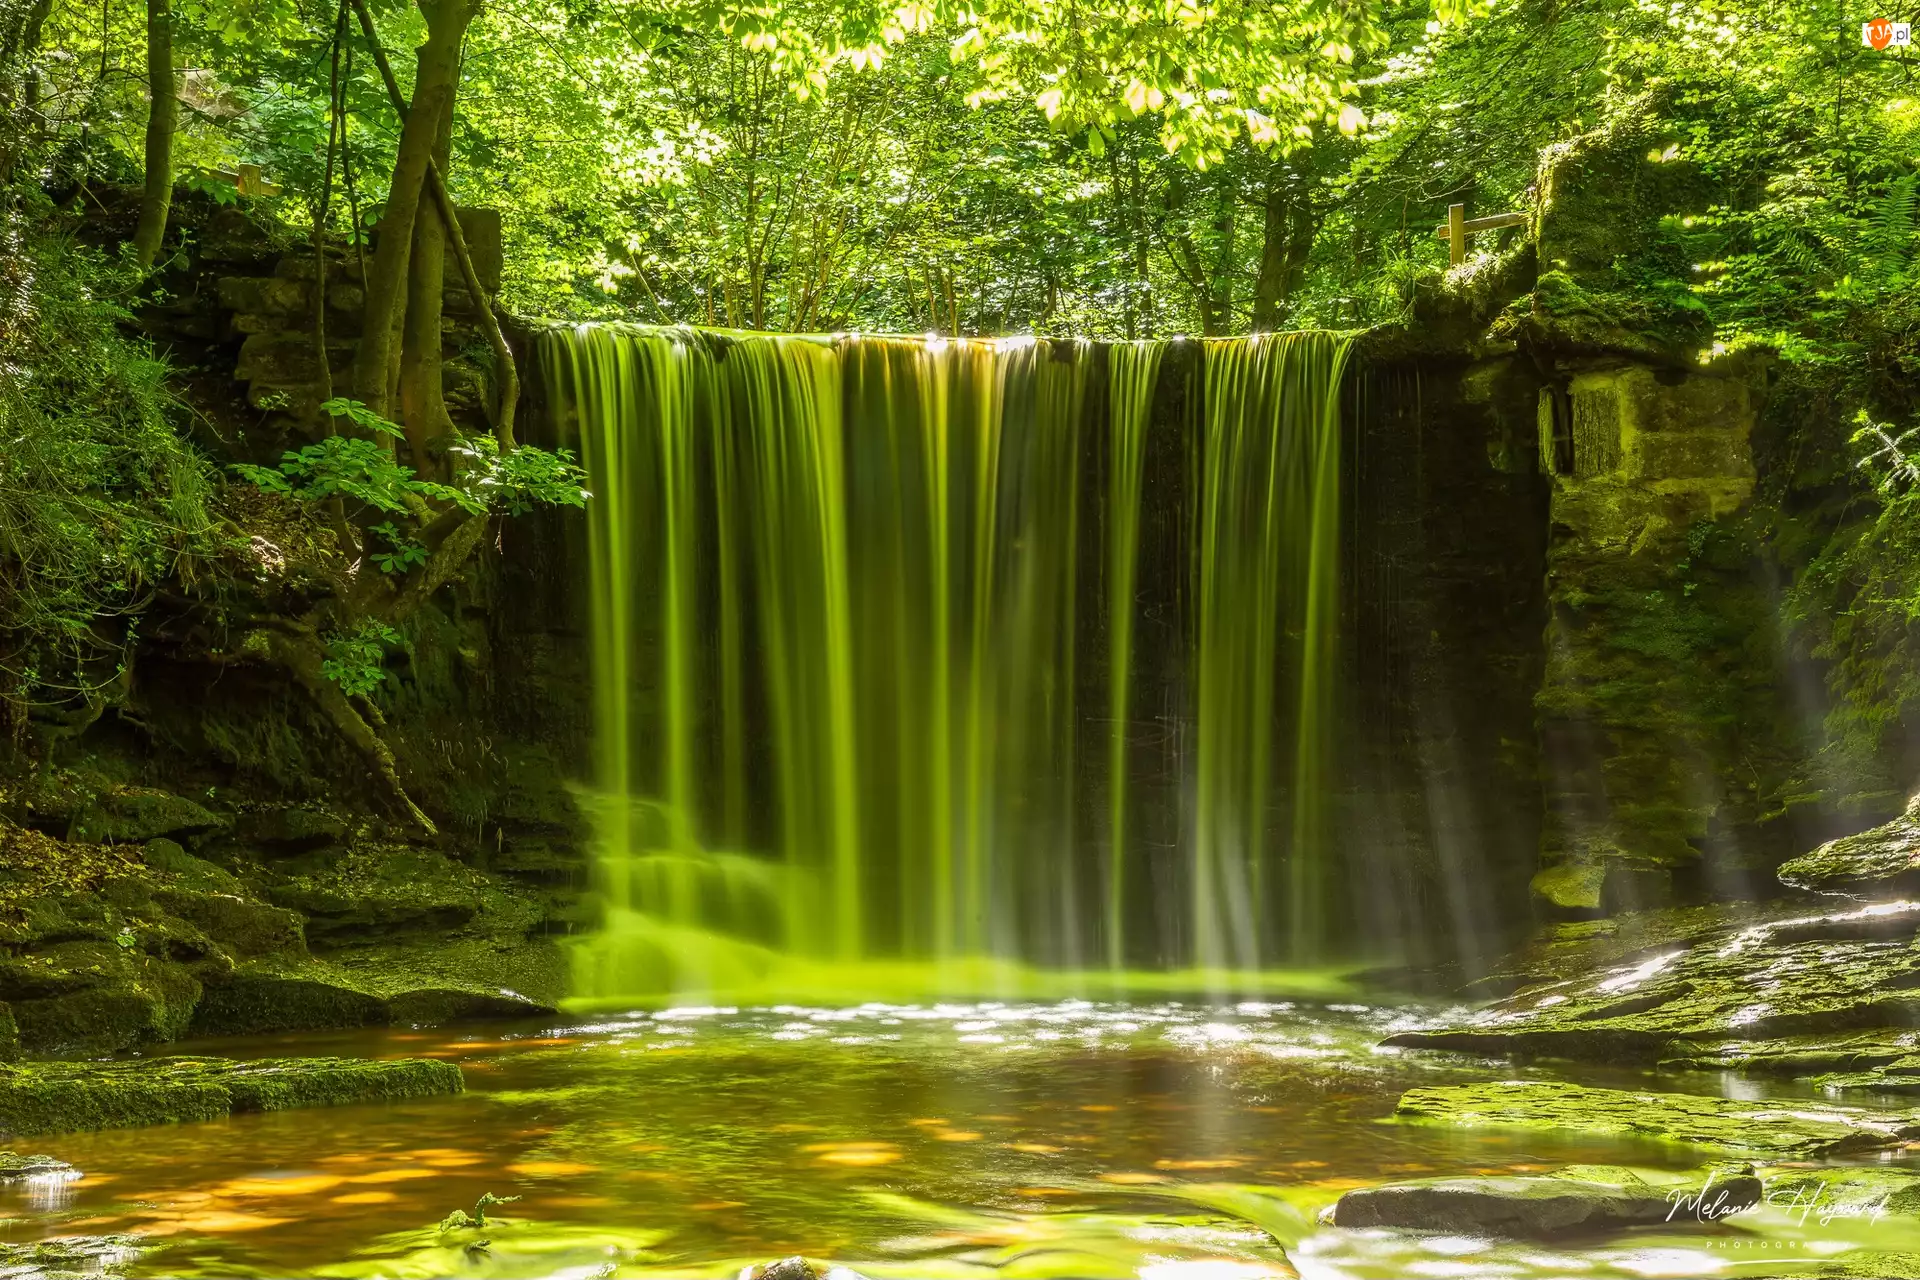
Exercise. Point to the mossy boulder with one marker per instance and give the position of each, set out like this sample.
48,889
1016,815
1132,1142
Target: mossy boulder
1795,1130
298,996
67,1097
1883,862
93,997
1751,977
1575,1201
423,983
14,1166
290,828
72,1257
1615,250
135,815
379,890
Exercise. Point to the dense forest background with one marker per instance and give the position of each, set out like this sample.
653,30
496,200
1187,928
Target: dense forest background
1102,169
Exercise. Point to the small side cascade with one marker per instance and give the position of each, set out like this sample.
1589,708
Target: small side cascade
955,662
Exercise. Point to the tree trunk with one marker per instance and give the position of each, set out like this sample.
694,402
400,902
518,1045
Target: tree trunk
374,366
423,406
19,42
1286,238
163,114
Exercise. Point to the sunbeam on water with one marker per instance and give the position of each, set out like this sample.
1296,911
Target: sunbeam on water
1167,1141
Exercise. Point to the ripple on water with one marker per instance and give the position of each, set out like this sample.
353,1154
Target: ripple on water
1173,1140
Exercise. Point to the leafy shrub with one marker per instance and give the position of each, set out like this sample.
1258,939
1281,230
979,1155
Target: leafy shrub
100,497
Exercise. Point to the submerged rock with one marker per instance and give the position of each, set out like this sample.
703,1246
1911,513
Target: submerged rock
1578,1200
1796,1130
65,1097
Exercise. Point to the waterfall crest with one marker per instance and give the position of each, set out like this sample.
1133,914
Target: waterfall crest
972,660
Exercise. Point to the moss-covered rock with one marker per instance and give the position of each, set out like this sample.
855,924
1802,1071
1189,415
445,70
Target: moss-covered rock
1882,862
1615,258
422,983
14,1166
1805,975
290,828
72,1257
92,997
1578,1200
1796,1130
380,890
265,996
135,815
66,1097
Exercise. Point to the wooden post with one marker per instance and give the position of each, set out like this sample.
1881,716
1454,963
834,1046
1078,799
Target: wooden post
1458,227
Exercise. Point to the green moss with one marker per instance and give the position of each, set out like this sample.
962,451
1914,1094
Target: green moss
413,983
19,1166
1883,862
1798,1130
97,997
1693,997
73,1257
262,998
65,1097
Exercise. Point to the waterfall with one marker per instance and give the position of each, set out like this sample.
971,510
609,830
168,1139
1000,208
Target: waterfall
952,663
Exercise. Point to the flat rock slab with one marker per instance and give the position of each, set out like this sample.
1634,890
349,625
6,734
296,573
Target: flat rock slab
66,1097
1576,1201
71,1257
1791,1130
1880,862
14,1167
1811,976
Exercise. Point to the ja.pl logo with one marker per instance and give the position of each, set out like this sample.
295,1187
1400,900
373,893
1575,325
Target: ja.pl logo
1882,33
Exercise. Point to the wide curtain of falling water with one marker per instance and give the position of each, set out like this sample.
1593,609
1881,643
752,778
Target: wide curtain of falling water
921,651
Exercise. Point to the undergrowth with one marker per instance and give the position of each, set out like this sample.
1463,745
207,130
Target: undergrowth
101,499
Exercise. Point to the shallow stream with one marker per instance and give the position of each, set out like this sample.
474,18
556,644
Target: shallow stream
1167,1141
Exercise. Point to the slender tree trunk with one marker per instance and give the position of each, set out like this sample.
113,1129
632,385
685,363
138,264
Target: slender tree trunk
423,406
1286,238
163,114
375,367
19,42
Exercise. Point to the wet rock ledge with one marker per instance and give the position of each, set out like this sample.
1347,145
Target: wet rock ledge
1824,988
66,1097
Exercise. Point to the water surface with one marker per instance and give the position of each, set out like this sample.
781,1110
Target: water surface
1170,1141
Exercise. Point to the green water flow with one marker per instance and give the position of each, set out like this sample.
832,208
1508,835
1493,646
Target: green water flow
1000,667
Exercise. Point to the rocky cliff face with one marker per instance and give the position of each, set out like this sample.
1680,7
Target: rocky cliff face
197,852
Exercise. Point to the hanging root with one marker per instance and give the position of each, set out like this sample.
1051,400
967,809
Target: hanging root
353,726
302,662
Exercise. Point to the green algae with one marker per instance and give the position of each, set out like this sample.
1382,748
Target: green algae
66,1097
